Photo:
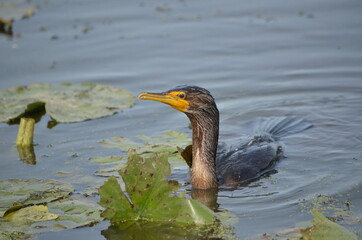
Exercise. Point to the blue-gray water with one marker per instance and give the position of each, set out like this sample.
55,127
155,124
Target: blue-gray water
258,58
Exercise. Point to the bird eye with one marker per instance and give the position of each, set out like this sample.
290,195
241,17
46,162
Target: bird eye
182,95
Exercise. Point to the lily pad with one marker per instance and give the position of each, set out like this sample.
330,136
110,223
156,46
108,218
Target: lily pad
27,207
31,214
164,142
72,213
320,228
109,159
76,213
18,192
64,102
325,229
167,142
150,196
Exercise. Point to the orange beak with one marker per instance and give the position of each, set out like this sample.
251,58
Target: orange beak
170,98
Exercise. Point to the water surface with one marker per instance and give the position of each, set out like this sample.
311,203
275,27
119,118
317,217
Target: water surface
258,58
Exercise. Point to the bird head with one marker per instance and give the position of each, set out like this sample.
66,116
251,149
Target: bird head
187,99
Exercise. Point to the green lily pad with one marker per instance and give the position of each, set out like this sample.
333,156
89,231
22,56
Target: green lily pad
110,171
325,229
320,228
109,159
31,206
165,142
64,102
71,213
76,213
18,192
150,196
6,235
170,138
90,183
168,143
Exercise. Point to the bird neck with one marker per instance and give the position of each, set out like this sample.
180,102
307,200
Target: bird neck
205,134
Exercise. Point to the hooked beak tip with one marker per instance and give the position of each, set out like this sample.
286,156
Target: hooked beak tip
142,96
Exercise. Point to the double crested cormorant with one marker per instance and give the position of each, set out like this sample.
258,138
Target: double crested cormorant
242,163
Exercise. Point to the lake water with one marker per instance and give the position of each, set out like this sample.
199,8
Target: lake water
258,58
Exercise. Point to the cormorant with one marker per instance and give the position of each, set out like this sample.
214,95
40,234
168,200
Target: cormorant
241,163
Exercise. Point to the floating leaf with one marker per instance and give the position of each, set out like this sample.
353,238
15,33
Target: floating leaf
325,229
150,196
109,159
72,213
31,214
165,142
17,192
168,143
170,138
76,212
110,171
320,228
24,208
64,102
6,235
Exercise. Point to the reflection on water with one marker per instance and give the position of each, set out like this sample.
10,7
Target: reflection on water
150,230
27,154
207,197
258,59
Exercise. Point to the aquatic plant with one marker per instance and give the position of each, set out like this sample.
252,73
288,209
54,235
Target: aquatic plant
149,195
64,102
26,208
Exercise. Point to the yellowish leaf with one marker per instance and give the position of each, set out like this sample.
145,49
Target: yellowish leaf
34,213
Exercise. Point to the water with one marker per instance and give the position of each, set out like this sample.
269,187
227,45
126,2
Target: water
258,58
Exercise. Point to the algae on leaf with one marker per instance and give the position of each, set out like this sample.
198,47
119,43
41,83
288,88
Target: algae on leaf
64,102
151,197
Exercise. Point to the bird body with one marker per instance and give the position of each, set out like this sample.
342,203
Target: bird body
212,166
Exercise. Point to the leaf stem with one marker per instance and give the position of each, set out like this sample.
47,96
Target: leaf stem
25,132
